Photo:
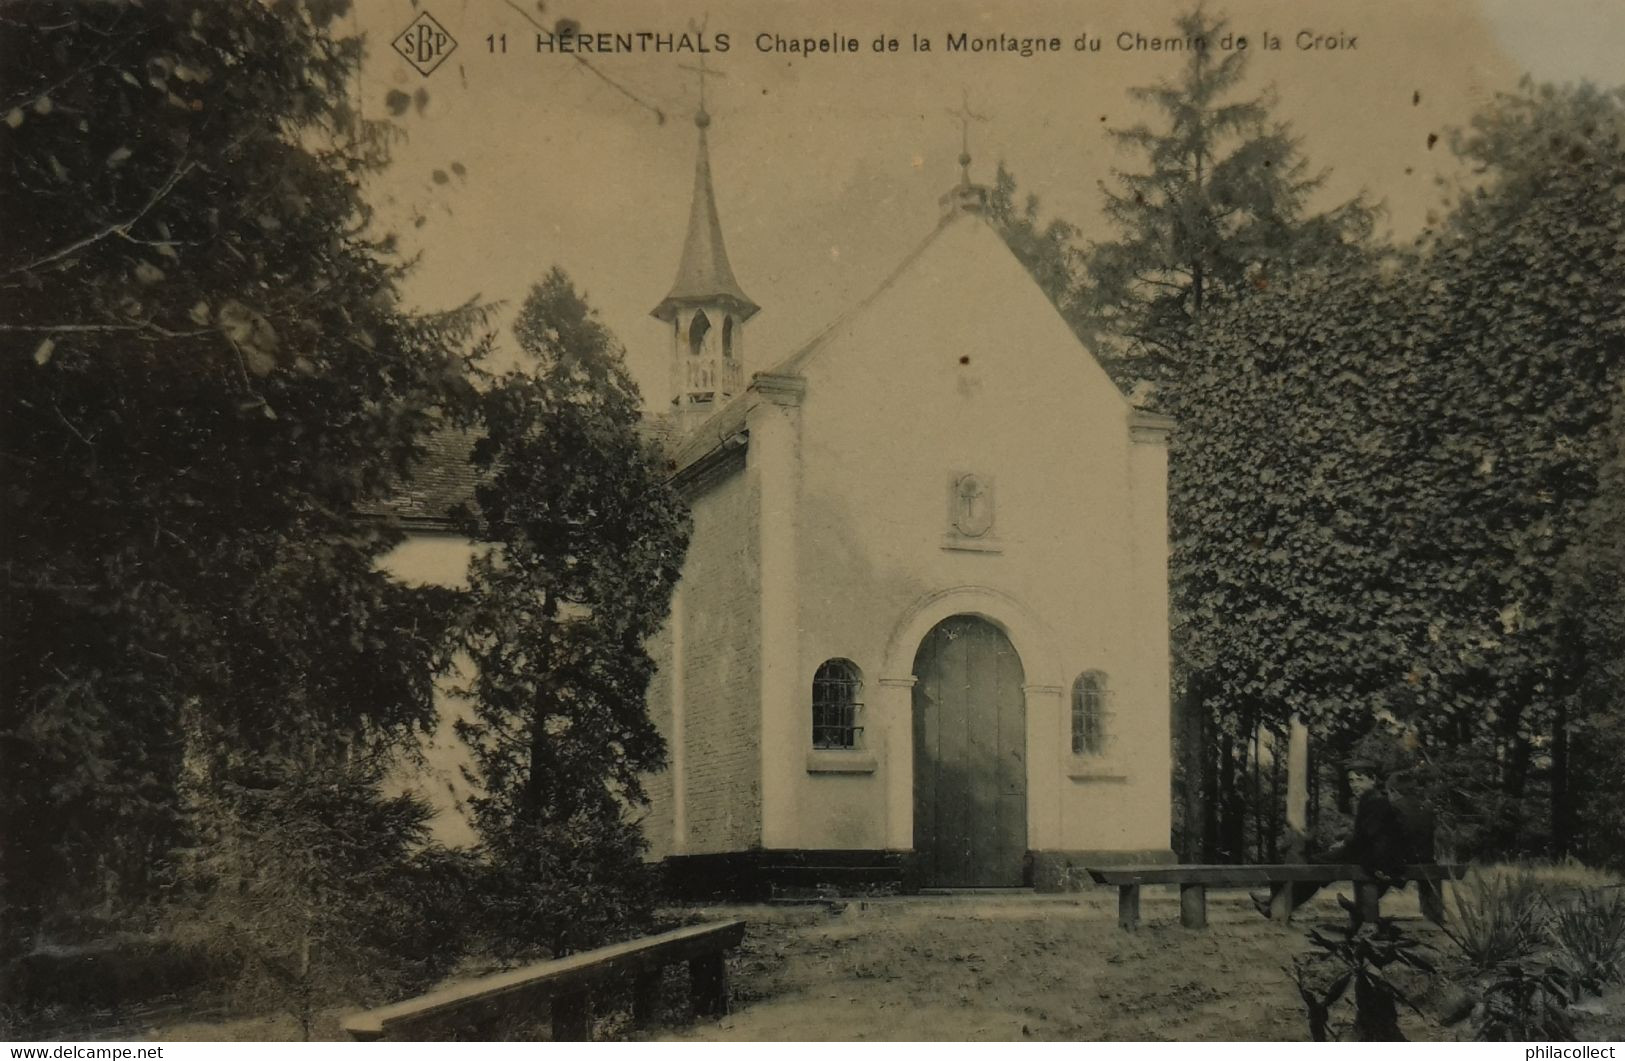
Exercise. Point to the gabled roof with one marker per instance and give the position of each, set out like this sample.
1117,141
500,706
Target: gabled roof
444,479
728,421
710,433
704,276
792,365
446,476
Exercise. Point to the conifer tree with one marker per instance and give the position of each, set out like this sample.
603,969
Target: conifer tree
588,540
206,381
1049,249
1219,203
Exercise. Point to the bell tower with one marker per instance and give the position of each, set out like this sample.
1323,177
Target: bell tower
705,309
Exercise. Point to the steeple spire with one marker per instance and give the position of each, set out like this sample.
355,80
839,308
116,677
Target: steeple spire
704,277
705,308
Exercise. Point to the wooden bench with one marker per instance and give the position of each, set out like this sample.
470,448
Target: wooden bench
567,984
1194,882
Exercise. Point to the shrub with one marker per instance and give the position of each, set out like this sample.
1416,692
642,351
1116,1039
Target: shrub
558,887
1589,931
1526,1005
1498,917
78,984
1361,959
315,886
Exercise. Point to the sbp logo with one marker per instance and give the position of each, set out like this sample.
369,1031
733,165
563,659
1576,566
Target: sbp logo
425,44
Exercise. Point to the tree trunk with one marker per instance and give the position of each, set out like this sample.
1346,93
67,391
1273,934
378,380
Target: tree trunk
1298,786
1311,769
1272,851
305,1001
1193,768
1228,851
1376,1015
1515,748
1240,801
1562,839
1210,788
1515,827
1255,795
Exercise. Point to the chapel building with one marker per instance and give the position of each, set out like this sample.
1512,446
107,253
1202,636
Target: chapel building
921,635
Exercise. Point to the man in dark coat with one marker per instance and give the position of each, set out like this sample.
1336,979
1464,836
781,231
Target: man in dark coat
1392,829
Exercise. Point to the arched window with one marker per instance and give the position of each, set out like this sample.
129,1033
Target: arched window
697,330
728,338
837,696
1089,714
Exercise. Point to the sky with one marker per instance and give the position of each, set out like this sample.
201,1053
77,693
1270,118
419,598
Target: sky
828,167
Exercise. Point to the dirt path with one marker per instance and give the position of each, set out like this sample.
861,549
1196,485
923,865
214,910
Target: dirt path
991,967
1026,966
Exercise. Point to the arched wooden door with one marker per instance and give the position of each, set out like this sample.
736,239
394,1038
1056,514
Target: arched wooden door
970,756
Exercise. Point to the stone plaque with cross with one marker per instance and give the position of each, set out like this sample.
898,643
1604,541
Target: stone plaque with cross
970,512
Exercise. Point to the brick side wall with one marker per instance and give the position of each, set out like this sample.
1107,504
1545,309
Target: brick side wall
657,816
720,605
721,599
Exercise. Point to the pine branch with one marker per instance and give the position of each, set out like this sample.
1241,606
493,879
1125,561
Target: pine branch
146,326
117,228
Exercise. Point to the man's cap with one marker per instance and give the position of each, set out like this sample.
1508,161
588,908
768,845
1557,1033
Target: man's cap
1380,754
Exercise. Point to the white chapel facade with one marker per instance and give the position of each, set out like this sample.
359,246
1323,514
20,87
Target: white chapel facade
922,628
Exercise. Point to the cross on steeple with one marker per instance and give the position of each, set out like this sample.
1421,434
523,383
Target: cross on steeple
965,116
701,118
702,72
